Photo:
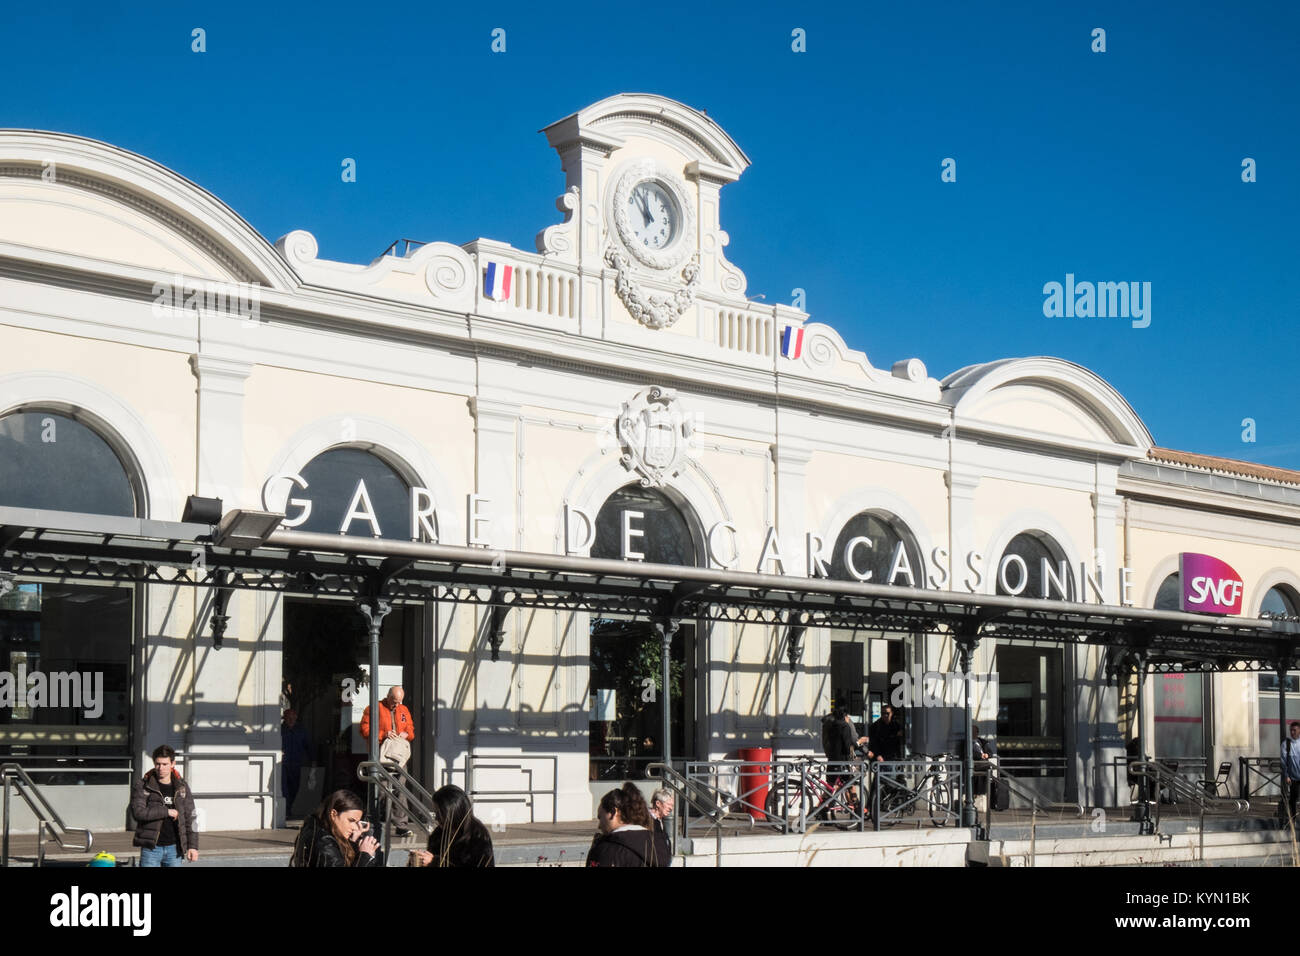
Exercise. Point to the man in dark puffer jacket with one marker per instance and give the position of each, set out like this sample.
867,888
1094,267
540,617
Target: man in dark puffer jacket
163,804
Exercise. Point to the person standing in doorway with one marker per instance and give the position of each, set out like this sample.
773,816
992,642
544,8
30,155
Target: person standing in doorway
886,735
396,732
295,748
163,804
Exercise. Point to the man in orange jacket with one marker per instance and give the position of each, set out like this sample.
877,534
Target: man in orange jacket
395,724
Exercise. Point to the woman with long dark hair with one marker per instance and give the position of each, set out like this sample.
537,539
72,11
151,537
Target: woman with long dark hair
335,835
626,831
460,838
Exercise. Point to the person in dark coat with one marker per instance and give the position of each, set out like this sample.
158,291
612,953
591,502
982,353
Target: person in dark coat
662,802
335,835
886,735
163,807
295,747
626,831
460,839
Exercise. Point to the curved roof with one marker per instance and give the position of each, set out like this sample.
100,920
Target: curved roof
622,114
186,211
966,388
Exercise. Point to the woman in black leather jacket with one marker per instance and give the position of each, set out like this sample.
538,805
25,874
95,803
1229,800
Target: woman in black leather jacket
335,835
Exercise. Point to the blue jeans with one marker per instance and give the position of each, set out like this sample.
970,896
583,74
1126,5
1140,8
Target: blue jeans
162,856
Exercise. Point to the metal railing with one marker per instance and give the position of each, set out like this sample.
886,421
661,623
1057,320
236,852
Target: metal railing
994,776
922,788
1259,776
394,785
53,771
699,797
1193,770
799,794
47,818
1181,790
407,246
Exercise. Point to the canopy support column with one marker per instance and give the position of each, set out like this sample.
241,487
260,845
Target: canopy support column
666,629
1144,789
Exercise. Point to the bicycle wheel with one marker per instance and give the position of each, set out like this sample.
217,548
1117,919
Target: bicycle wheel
786,799
939,800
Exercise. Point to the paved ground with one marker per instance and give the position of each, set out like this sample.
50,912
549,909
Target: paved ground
555,844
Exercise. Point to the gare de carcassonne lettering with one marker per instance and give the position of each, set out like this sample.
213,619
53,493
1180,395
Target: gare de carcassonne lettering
580,532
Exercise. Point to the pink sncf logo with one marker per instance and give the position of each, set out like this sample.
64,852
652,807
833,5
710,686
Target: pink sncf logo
1210,586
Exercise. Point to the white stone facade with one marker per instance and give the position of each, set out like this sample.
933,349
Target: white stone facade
518,401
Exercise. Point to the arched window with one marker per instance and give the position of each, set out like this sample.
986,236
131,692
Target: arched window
626,685
76,634
877,548
54,461
1034,566
1280,600
354,481
649,523
1170,595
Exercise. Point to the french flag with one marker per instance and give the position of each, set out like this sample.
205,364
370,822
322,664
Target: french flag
498,280
792,342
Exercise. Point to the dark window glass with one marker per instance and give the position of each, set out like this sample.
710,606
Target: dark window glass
1280,600
1032,549
51,461
332,478
885,534
78,638
665,539
1169,597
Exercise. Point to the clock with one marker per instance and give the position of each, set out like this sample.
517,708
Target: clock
652,216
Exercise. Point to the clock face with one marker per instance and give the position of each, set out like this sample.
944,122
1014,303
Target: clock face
652,215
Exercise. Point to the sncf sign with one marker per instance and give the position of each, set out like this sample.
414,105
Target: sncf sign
1210,586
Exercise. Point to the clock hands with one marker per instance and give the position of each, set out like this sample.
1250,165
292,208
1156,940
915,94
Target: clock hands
640,197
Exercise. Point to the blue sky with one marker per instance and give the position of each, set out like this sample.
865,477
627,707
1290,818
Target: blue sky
1115,166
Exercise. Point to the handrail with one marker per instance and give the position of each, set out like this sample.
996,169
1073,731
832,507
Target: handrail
1181,788
1268,769
393,783
688,792
47,818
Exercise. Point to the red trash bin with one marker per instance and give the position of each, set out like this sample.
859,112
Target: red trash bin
755,778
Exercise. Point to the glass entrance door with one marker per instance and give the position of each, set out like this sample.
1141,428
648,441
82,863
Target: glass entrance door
626,699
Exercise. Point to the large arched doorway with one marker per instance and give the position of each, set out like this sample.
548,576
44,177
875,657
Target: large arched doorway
1181,734
625,692
1278,600
865,665
326,662
1032,702
66,648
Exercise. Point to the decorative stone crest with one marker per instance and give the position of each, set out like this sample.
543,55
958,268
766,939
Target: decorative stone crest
653,311
653,433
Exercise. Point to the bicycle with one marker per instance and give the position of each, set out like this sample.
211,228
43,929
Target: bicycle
808,792
933,791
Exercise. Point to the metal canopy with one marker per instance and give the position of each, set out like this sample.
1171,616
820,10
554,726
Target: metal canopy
71,546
